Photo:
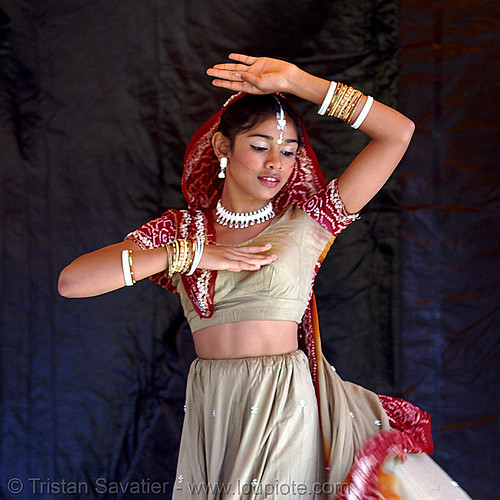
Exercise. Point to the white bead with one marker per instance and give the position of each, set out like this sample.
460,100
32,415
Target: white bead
377,422
302,403
254,409
254,482
213,412
352,414
180,478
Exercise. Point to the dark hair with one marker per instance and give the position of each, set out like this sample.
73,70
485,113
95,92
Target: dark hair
250,110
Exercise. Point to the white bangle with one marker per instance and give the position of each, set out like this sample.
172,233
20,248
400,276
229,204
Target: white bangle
364,112
327,99
127,275
198,252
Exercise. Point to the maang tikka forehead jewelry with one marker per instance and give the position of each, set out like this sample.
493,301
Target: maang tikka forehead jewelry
281,126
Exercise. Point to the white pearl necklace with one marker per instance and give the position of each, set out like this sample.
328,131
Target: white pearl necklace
243,219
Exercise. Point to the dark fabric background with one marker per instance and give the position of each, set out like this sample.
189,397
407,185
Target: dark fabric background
98,101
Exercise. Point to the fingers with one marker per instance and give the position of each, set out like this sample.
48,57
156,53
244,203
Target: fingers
220,257
249,60
227,67
254,248
231,71
246,263
249,258
253,80
224,74
225,84
225,77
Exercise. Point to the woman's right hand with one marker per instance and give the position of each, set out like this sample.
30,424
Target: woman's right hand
228,258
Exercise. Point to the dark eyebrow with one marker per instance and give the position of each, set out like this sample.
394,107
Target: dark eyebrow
270,138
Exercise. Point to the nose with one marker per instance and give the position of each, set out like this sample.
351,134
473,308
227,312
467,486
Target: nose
273,159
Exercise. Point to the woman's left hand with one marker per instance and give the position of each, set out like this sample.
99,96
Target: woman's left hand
254,75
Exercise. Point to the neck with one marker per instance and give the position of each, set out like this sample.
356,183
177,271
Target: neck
241,205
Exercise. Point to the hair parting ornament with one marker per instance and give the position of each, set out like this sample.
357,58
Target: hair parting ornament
281,125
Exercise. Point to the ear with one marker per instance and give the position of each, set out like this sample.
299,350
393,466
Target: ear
221,145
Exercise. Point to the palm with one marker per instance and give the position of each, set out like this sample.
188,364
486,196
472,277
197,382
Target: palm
255,75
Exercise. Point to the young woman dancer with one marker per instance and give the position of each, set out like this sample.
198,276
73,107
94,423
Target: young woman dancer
265,413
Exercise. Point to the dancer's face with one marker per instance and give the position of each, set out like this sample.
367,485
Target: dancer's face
258,167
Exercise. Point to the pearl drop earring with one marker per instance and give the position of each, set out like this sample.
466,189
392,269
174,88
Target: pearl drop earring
223,165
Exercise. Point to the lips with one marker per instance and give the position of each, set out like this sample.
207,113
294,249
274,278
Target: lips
270,180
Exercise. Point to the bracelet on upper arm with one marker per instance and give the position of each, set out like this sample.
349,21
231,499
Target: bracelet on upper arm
341,101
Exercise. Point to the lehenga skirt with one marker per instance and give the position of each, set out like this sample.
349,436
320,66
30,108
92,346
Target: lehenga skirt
252,431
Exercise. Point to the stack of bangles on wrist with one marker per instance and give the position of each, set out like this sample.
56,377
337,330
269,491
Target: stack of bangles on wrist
341,101
183,256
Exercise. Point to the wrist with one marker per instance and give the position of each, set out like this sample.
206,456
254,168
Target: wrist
309,87
293,78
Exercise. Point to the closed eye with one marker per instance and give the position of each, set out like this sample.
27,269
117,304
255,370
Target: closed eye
258,148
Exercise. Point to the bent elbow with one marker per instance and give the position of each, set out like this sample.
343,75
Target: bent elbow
62,286
407,130
65,286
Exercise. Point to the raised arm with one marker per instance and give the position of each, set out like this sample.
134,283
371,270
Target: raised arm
390,131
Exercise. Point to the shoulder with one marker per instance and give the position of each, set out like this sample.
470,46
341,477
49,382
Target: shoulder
327,208
170,225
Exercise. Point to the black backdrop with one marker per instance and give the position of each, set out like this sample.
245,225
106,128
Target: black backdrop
98,101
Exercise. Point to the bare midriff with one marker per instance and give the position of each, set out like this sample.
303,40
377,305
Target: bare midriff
246,339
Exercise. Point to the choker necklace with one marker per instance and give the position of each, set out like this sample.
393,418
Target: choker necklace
243,219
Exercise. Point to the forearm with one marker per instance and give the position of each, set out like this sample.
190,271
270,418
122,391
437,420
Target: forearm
384,122
101,271
306,86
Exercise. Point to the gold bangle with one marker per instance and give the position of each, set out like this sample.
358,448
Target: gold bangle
130,263
175,255
337,96
348,109
180,255
168,249
350,112
344,102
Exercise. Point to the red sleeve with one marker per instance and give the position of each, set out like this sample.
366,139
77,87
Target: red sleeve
327,208
157,233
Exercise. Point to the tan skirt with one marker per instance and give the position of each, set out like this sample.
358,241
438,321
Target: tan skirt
252,431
